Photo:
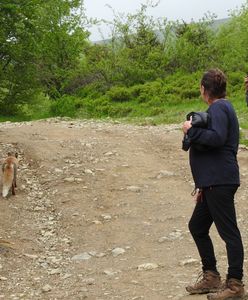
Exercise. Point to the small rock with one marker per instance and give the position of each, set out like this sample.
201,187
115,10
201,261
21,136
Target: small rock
175,235
89,281
82,256
133,188
55,271
97,222
92,253
106,217
147,266
190,261
46,288
109,153
84,290
164,174
67,275
69,179
101,254
33,256
163,239
3,278
88,171
110,272
118,251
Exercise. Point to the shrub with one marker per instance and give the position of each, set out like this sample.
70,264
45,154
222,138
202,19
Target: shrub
66,106
119,94
136,90
190,93
235,81
119,111
149,90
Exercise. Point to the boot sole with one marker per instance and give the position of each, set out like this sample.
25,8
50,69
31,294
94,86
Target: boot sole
245,297
203,291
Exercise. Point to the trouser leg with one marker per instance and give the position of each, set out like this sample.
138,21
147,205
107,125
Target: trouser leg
220,201
199,226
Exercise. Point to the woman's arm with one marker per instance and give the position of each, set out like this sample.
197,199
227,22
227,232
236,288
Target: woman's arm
216,134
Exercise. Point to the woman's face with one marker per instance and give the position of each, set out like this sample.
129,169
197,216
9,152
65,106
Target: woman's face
203,94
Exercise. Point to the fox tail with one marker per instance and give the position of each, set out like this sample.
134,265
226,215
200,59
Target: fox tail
8,177
6,190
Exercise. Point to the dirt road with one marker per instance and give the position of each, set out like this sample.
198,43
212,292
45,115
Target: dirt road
101,212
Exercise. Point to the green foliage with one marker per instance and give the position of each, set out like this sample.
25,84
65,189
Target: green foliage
40,44
38,108
18,80
150,90
61,44
66,106
119,94
150,68
193,47
231,42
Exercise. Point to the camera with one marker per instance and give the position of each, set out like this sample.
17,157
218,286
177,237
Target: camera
199,119
186,143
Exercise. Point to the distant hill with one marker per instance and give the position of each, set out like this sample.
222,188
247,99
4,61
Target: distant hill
216,24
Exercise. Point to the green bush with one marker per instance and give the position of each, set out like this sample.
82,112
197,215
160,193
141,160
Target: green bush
149,90
155,111
119,111
38,108
119,94
173,99
190,93
235,82
66,106
136,90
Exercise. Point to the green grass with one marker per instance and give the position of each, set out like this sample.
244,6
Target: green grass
155,110
13,118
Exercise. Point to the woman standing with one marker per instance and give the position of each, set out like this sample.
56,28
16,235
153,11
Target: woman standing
216,175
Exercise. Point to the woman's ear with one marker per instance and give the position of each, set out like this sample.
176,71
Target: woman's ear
204,94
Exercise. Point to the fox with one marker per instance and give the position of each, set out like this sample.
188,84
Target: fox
9,169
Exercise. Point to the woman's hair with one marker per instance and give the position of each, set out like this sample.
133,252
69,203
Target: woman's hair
214,83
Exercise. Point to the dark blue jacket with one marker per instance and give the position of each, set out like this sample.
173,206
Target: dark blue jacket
217,165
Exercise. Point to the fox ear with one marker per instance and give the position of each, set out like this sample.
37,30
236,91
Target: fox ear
16,155
9,153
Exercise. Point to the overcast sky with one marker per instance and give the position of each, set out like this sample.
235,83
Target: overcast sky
171,9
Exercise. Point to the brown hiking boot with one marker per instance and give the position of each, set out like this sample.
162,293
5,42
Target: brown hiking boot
209,283
233,289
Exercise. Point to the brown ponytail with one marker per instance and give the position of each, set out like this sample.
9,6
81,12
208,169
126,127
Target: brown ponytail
214,83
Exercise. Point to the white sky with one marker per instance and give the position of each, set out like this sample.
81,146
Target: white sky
171,9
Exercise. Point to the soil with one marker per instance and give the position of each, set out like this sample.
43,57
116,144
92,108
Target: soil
101,212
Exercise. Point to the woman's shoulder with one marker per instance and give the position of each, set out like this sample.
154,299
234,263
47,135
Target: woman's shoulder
222,104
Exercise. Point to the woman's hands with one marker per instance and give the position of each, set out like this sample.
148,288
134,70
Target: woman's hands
187,125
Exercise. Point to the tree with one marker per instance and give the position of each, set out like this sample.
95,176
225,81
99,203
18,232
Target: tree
40,44
17,53
232,40
193,46
135,49
61,45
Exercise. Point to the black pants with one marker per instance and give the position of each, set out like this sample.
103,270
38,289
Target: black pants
217,206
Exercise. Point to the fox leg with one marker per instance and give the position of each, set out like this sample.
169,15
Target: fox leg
13,188
15,173
3,167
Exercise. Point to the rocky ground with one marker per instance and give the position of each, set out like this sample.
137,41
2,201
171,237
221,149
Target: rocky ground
101,212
